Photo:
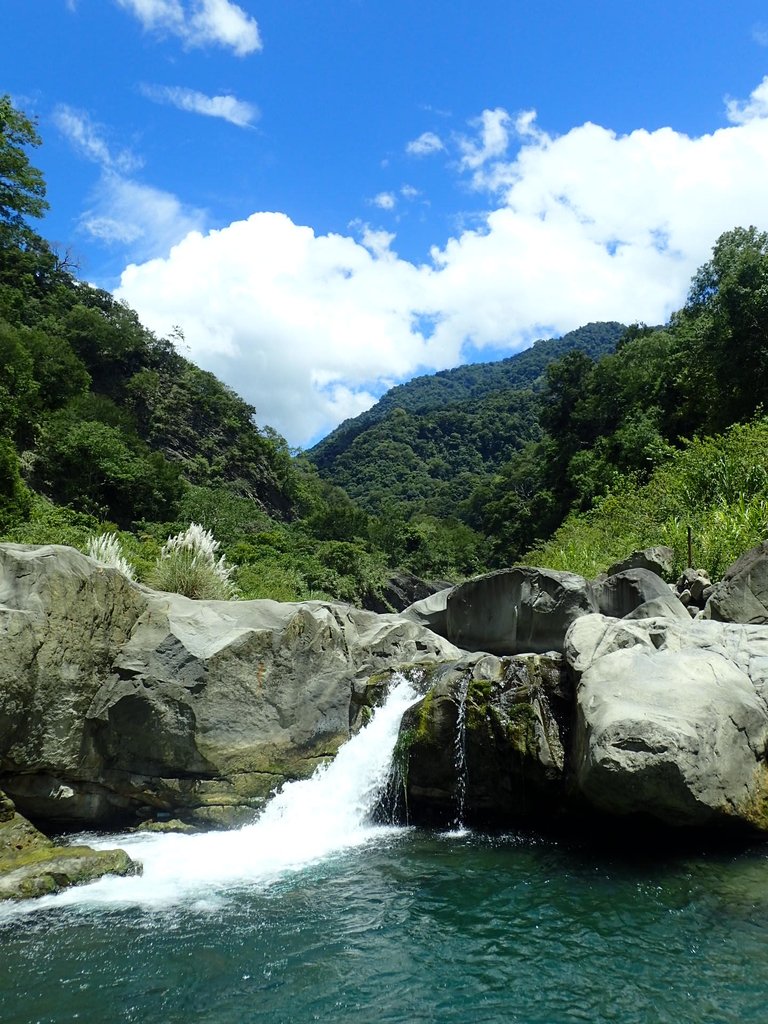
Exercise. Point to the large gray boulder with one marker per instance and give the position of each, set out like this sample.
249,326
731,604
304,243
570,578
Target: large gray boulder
518,610
671,719
431,612
659,559
742,594
636,592
117,702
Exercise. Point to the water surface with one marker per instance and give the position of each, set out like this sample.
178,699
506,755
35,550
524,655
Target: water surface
314,914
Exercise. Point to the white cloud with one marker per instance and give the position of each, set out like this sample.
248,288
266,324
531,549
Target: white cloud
409,192
756,107
384,201
493,131
586,226
144,219
426,144
199,23
229,108
87,137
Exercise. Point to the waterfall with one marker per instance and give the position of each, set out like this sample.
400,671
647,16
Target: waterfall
305,823
460,752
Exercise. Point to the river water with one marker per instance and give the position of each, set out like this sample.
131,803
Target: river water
313,914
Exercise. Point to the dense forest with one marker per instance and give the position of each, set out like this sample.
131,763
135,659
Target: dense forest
570,453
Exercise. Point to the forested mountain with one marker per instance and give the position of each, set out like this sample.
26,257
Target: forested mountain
428,444
466,384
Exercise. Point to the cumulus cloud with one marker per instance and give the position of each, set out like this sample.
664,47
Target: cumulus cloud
491,141
88,138
229,108
756,107
143,219
426,144
199,23
589,225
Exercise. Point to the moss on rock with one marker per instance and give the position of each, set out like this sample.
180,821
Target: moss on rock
32,865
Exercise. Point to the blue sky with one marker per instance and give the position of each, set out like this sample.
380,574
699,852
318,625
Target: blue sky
329,198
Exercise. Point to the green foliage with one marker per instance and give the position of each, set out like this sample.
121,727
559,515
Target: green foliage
46,523
189,564
99,468
15,499
466,385
22,187
717,486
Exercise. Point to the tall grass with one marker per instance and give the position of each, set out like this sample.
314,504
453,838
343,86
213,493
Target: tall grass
717,486
189,564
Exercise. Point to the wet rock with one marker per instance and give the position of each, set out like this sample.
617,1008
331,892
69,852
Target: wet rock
31,865
487,743
115,699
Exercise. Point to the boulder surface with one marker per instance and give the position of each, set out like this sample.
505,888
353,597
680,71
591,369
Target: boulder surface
671,719
517,611
31,865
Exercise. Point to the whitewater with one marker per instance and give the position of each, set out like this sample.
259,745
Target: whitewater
304,823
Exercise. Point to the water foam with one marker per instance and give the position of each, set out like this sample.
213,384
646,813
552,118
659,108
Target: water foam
305,823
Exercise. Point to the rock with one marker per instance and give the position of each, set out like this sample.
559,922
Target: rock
659,560
518,610
742,594
672,720
431,612
117,702
32,865
694,588
665,605
625,592
487,742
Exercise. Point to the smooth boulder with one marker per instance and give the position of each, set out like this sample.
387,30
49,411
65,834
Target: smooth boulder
742,594
659,559
487,742
671,720
636,592
517,611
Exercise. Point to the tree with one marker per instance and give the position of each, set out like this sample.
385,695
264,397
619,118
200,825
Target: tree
725,326
22,187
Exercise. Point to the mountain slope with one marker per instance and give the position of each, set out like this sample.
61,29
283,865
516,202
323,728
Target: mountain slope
471,382
427,444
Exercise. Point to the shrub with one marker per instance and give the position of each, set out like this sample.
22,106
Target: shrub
188,565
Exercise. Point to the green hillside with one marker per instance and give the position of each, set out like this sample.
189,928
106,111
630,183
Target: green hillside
465,384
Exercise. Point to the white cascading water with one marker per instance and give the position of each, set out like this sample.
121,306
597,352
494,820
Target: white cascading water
305,823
